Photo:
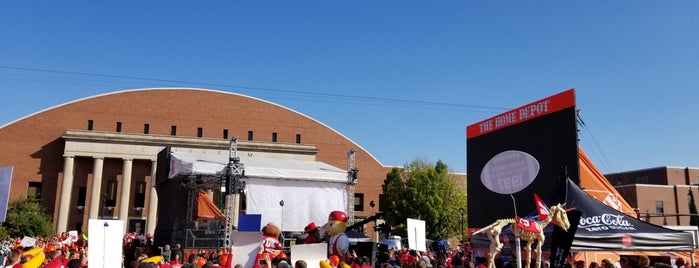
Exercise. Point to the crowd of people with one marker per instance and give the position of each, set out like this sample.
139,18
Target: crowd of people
456,257
636,261
50,252
139,252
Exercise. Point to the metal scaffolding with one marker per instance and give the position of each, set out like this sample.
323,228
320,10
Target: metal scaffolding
234,187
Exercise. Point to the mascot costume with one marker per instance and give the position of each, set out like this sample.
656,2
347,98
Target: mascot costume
270,240
338,243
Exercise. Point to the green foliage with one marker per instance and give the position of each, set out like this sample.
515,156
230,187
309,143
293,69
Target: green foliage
427,192
26,216
694,218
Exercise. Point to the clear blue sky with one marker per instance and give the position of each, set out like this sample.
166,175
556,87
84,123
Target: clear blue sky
413,74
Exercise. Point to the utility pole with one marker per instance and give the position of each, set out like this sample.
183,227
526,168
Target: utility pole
234,187
351,182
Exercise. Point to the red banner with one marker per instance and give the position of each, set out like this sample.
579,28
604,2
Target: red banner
527,112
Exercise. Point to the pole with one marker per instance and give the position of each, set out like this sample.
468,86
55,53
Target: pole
281,203
517,240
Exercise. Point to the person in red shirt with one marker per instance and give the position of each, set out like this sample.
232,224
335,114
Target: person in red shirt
313,234
412,257
176,260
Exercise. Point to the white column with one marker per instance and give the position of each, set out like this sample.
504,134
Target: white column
152,219
125,193
66,193
95,205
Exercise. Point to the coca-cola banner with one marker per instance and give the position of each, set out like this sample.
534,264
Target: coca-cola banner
604,228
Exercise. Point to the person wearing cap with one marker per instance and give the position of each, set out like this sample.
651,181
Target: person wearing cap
426,260
55,259
313,234
283,264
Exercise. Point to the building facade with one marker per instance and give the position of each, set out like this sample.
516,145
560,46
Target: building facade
661,194
96,157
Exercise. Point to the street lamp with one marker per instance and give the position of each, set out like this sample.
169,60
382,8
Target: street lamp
281,203
372,204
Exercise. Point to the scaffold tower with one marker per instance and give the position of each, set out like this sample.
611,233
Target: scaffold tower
234,187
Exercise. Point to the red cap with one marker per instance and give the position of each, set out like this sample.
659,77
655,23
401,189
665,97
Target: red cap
310,227
338,216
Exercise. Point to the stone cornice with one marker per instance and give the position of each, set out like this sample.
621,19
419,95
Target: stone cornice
130,139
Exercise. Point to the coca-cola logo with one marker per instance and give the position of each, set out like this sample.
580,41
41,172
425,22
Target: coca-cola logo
605,222
626,240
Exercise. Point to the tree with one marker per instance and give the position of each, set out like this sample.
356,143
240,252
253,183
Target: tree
694,218
425,192
26,216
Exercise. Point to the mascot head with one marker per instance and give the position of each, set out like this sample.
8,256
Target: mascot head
337,223
271,230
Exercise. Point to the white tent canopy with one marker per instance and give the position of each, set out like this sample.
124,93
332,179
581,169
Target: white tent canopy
310,189
272,168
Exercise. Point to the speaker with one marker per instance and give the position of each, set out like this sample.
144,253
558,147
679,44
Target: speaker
382,254
366,249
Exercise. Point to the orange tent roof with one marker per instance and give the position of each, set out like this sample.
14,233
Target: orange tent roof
596,185
206,208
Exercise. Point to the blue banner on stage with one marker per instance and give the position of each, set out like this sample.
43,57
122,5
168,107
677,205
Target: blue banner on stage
249,223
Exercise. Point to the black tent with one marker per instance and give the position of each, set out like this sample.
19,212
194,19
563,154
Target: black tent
602,228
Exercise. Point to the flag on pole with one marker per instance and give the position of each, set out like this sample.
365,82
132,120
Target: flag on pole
541,208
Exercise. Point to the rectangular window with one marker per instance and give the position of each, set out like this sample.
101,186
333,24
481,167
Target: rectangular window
274,136
659,207
118,127
82,193
140,195
90,124
111,194
697,180
173,130
250,135
382,202
298,138
358,202
642,180
200,132
34,190
146,128
225,134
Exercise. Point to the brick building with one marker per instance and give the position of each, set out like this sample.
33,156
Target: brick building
95,157
660,194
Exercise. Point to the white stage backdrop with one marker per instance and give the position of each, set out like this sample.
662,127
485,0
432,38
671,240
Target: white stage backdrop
304,201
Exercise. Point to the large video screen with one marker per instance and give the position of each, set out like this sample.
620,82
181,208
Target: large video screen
511,156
